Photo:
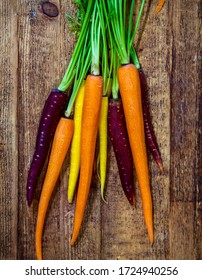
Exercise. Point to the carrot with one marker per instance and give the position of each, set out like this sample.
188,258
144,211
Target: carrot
90,123
160,6
89,129
75,145
119,138
106,74
103,143
129,83
60,146
50,116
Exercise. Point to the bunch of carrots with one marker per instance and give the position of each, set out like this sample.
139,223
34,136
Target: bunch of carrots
108,97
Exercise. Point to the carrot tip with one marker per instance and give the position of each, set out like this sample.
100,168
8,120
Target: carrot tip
72,242
132,202
69,200
160,165
157,12
29,199
103,198
151,239
133,207
151,243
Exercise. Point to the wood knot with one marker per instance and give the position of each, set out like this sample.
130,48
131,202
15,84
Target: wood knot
49,9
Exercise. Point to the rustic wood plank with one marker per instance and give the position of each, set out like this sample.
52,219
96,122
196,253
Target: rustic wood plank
124,233
198,242
8,131
39,53
185,36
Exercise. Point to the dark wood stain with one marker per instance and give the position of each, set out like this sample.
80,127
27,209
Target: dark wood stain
34,53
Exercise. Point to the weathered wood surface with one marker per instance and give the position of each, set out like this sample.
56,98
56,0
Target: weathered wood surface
34,52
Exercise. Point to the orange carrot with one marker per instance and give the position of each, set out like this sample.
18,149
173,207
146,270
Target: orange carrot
160,6
129,83
89,130
60,146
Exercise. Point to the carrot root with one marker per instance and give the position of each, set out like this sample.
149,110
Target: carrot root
89,130
60,146
50,116
75,145
120,142
129,83
103,144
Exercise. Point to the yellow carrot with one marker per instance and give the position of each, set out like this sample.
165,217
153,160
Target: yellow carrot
60,146
129,83
103,143
75,145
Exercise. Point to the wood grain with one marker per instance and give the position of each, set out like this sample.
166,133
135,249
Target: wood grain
8,131
34,52
184,130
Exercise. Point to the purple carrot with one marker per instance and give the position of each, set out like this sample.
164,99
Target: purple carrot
53,108
149,132
119,138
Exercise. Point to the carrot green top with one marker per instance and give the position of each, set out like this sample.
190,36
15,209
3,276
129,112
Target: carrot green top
102,24
123,41
89,56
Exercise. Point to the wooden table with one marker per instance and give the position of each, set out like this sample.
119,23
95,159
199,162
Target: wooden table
34,52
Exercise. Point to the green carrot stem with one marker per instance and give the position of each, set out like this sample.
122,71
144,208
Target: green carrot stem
95,42
110,40
134,57
118,29
106,71
124,14
77,83
115,84
130,22
137,23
